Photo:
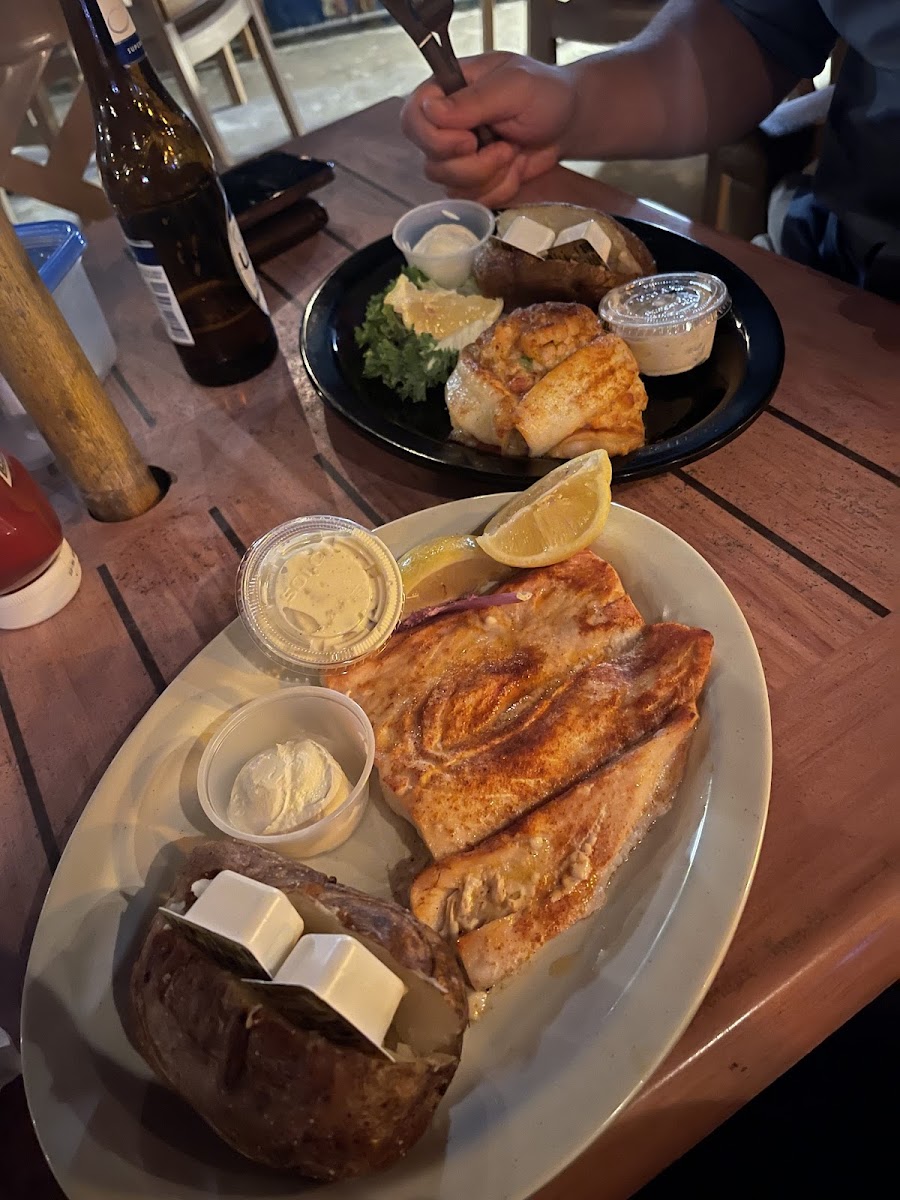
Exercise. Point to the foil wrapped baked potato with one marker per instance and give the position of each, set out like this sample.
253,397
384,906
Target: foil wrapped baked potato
281,1094
519,278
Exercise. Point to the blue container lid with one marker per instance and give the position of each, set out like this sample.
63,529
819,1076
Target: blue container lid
54,248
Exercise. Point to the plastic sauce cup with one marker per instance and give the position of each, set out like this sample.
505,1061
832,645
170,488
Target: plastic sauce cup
446,270
668,321
319,593
330,718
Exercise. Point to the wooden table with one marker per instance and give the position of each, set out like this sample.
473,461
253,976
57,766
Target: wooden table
798,515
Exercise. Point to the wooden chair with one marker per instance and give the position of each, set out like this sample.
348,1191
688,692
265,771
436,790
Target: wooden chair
741,176
181,33
602,22
31,32
487,25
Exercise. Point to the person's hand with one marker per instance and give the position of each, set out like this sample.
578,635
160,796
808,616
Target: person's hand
527,104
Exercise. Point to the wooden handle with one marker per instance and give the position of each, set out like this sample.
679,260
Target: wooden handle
46,368
450,78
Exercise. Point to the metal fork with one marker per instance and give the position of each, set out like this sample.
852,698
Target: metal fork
427,22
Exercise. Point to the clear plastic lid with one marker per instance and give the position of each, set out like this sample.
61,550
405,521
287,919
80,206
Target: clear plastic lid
319,592
664,304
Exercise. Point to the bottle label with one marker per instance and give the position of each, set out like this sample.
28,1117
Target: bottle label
116,20
154,275
5,472
243,263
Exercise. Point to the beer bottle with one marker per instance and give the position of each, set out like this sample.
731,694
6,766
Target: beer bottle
159,177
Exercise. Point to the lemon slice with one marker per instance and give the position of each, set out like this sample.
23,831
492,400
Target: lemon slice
451,319
445,569
555,518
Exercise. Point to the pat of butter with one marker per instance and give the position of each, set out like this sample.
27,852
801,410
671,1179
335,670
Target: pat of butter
247,926
587,231
334,982
528,235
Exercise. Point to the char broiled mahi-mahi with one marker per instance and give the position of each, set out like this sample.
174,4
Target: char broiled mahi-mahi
531,745
503,899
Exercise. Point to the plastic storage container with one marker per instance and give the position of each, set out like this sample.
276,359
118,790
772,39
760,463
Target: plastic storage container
55,248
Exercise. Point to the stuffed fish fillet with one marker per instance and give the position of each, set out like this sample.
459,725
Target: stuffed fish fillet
548,380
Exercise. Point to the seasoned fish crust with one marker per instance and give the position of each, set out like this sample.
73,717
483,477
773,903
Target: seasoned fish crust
509,895
481,716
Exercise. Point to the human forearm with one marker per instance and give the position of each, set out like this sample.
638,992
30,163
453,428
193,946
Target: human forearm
694,79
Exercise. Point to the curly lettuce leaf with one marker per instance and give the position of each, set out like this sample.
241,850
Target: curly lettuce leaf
406,362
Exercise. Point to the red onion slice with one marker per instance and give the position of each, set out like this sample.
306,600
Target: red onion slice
464,604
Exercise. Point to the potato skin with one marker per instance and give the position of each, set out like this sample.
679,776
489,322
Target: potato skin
520,279
281,1095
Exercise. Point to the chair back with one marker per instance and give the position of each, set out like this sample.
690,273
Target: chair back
29,27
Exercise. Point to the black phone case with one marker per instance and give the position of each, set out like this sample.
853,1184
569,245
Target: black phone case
278,233
257,190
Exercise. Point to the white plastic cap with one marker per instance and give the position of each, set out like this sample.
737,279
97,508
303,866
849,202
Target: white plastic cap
243,922
44,596
342,973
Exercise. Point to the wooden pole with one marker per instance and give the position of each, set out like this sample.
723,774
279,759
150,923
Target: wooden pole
53,380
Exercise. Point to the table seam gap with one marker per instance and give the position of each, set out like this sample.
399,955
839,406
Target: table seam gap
784,545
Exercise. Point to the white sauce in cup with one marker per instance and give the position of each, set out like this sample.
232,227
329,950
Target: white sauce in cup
668,321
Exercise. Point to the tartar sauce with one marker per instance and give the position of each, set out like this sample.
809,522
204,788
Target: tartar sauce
319,592
330,590
668,321
286,787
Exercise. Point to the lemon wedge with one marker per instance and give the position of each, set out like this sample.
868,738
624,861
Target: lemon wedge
452,320
555,518
445,569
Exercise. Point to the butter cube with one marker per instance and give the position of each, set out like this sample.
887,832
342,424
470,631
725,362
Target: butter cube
341,973
528,235
587,231
247,926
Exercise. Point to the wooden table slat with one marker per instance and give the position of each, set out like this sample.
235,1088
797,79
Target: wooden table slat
832,510
797,616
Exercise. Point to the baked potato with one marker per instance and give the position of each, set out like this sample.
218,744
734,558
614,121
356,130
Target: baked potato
519,278
281,1094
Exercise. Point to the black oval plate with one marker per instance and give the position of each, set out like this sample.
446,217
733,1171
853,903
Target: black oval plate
686,417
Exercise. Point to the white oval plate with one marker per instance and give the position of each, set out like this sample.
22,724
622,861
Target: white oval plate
559,1050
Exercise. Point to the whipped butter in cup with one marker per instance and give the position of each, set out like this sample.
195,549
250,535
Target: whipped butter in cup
441,238
668,321
334,723
319,593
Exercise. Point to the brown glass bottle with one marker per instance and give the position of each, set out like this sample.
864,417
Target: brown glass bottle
159,177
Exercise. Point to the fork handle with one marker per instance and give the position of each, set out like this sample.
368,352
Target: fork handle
448,73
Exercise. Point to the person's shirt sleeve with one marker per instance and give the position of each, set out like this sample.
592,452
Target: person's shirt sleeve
796,33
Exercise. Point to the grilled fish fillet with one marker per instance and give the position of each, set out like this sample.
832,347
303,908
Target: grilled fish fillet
481,716
594,400
492,658
502,900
